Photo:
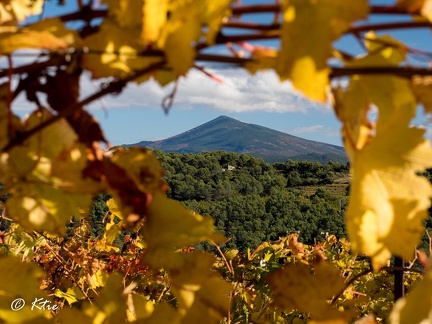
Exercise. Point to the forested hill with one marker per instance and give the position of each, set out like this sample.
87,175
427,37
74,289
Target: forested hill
253,201
231,135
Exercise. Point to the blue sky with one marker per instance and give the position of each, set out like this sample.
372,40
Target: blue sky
136,114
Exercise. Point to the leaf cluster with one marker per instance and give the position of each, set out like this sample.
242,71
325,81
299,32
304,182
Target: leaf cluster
53,164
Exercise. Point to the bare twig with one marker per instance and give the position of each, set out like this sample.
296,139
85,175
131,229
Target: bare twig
401,71
250,25
430,242
54,60
9,96
230,268
168,100
272,8
411,264
389,26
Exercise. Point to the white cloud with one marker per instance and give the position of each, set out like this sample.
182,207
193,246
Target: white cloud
240,92
308,129
329,131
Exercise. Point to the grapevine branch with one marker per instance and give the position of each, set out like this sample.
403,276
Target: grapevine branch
62,262
54,60
215,58
352,30
275,8
86,13
227,264
401,71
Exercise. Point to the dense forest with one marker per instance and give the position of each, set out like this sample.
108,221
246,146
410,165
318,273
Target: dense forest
253,201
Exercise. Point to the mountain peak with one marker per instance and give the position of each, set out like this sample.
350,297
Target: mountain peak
229,134
223,118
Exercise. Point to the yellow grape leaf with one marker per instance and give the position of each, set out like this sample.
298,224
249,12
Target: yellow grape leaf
39,199
163,313
144,21
214,14
180,32
263,59
28,244
143,168
110,306
126,13
302,59
202,295
58,29
390,49
114,208
416,307
297,287
68,167
25,38
18,10
20,280
134,176
72,295
210,303
98,279
353,103
368,319
111,232
389,93
37,205
231,254
424,7
154,18
393,97
113,51
69,315
330,321
163,77
388,200
139,307
422,88
383,50
169,225
184,28
52,140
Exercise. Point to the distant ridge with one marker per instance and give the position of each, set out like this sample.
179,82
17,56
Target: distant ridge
231,135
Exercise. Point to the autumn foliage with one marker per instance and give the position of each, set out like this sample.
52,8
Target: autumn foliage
53,163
